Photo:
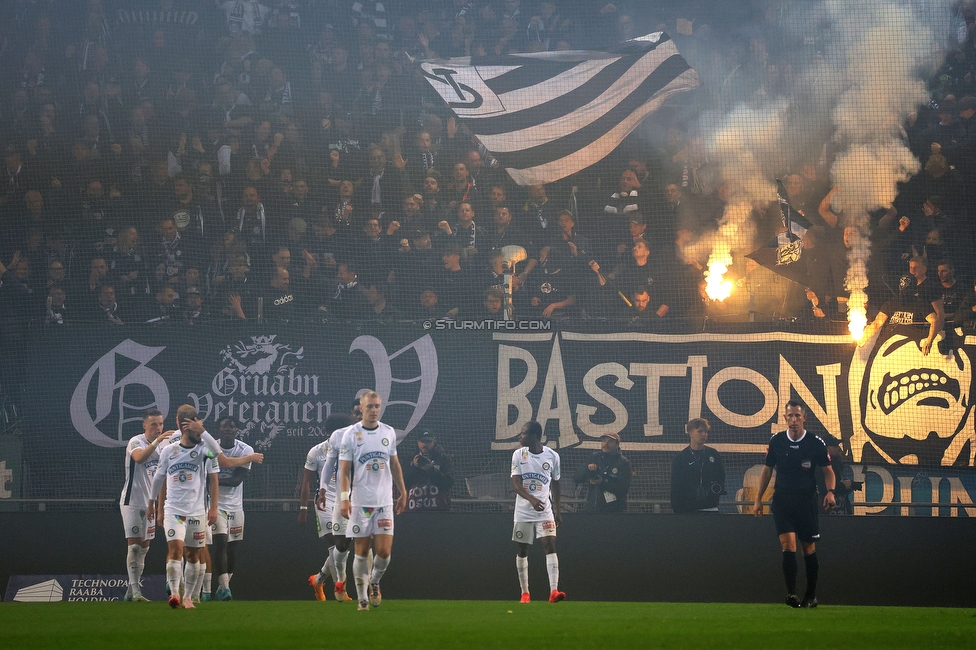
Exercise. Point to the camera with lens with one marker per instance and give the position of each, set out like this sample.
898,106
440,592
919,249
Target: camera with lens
706,493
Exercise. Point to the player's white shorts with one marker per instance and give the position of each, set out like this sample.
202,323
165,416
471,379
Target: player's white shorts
526,532
323,520
192,531
366,522
230,524
137,525
339,524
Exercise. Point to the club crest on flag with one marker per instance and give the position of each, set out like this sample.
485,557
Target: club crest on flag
547,115
789,253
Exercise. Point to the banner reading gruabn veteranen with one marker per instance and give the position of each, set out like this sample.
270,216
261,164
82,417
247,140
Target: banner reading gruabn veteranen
902,415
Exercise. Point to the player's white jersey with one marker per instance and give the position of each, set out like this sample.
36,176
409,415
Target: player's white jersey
138,476
331,465
184,471
538,471
231,499
370,452
315,460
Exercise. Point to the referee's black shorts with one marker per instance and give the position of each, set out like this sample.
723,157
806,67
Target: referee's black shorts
796,512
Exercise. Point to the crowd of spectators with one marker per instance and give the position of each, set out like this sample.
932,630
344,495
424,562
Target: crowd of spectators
186,161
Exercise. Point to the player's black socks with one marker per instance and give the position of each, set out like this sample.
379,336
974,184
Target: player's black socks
813,570
789,571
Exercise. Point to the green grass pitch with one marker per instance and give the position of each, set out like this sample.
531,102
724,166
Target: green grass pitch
480,624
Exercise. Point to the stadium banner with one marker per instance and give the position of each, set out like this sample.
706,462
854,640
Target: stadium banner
61,588
906,418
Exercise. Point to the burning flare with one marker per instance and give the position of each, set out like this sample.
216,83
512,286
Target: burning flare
716,286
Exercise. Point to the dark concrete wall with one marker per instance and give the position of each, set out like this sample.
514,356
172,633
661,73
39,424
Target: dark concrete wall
864,561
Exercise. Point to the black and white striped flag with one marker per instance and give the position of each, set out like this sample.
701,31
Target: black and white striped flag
547,115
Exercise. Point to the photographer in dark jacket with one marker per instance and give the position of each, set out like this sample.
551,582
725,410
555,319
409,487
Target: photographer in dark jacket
697,473
428,477
608,474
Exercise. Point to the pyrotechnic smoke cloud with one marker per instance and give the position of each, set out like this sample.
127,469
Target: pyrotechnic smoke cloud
854,95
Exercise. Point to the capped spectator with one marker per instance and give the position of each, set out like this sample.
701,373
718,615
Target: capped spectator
164,307
349,301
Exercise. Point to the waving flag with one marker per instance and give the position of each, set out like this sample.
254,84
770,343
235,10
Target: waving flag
547,115
783,253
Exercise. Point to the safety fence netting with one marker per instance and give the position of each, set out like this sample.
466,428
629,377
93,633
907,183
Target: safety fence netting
610,218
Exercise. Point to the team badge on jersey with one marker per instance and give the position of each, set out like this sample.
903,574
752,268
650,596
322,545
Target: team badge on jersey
355,529
386,441
546,466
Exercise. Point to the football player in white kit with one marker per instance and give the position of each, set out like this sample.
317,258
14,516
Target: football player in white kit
186,471
320,471
368,450
535,477
228,530
141,459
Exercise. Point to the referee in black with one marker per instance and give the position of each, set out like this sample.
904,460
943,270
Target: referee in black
794,453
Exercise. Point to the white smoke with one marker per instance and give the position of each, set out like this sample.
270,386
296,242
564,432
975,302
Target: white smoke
854,97
739,143
884,49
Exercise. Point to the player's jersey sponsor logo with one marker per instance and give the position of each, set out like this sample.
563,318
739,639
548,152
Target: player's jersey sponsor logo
384,523
193,522
806,464
532,476
236,530
368,512
549,525
199,535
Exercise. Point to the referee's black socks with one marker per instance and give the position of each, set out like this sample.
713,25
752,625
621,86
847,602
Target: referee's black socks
789,571
813,570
